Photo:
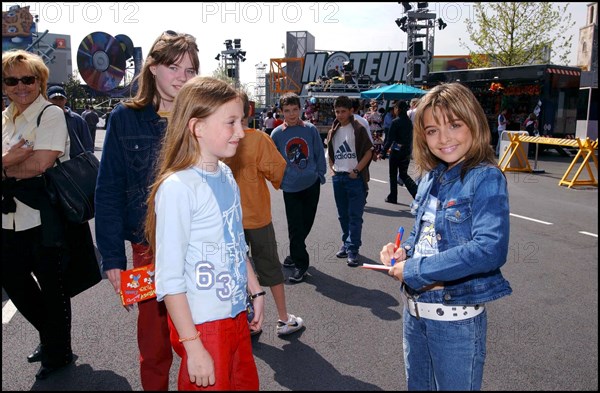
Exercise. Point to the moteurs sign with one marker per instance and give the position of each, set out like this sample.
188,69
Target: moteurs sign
380,66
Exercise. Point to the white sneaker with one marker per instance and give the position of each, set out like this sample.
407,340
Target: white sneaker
292,325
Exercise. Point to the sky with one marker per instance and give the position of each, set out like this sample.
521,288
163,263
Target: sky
261,26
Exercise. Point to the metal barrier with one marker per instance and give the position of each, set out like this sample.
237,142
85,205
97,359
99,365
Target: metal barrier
521,164
505,143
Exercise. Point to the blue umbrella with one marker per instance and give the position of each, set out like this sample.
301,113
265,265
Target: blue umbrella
393,92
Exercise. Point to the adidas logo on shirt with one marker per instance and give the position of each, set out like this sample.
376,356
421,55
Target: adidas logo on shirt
344,152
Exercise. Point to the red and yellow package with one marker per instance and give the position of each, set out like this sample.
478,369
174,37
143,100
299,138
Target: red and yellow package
137,284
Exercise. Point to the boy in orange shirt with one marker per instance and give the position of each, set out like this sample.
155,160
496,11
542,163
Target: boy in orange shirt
256,161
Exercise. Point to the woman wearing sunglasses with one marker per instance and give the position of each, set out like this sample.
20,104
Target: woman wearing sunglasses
32,233
133,138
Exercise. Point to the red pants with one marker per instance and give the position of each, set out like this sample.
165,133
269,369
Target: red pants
228,342
156,355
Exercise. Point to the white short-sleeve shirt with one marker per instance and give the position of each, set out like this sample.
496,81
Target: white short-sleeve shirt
50,135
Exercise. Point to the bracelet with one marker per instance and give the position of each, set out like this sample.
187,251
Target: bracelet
252,297
190,338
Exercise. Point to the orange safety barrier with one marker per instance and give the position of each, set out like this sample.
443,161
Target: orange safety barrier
585,151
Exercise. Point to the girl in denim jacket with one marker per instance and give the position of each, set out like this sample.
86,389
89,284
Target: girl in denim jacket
134,134
450,264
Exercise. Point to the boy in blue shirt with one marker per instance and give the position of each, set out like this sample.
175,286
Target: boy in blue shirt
300,144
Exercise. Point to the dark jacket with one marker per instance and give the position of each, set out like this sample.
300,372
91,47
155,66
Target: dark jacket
74,240
76,125
91,118
362,140
131,146
32,192
401,133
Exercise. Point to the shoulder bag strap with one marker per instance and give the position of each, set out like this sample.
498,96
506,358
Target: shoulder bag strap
71,134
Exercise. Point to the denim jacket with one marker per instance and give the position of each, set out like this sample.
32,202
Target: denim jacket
472,231
131,146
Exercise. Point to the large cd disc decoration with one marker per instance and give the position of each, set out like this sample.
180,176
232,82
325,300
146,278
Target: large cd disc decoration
101,61
126,44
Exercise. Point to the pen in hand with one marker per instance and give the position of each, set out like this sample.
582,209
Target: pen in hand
398,240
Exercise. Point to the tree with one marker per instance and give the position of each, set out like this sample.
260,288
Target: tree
75,92
514,33
221,73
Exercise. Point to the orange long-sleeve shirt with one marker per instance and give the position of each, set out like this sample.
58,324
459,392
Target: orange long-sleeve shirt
256,161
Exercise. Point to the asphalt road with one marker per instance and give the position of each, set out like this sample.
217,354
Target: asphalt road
543,337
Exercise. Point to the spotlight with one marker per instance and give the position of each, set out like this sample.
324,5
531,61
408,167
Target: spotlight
242,58
228,44
422,5
404,29
243,53
218,57
407,6
401,21
237,43
441,24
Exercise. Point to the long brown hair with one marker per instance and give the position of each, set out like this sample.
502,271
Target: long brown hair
199,98
168,49
452,100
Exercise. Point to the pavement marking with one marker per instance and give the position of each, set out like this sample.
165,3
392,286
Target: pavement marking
380,181
8,311
531,219
518,216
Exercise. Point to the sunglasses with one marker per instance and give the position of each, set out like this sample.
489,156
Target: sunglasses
172,33
26,80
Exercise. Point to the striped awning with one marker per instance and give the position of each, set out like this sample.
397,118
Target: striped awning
563,72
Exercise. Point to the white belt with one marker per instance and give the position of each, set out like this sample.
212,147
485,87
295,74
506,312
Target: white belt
441,312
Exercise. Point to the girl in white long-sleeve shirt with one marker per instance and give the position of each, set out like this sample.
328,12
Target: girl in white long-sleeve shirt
194,226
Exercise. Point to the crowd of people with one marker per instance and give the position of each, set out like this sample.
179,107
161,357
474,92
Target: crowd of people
183,179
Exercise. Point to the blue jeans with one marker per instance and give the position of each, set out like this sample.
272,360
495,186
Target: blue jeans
444,355
350,197
499,139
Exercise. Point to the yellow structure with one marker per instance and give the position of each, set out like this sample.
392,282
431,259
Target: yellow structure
280,81
585,151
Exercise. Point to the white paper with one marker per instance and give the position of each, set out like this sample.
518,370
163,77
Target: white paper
375,267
